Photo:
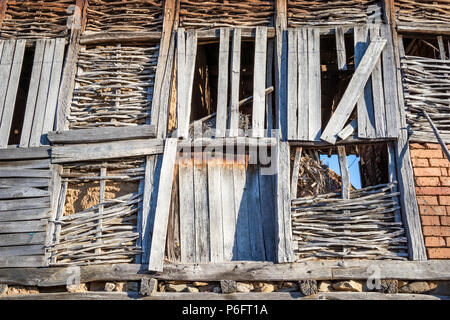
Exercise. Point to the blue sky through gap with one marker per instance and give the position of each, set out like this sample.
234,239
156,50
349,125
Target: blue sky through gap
353,164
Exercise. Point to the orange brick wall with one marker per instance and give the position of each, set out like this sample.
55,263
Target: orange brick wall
432,178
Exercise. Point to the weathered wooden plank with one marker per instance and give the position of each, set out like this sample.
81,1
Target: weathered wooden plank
28,250
23,226
191,55
314,85
10,98
379,113
181,83
50,109
345,174
348,130
6,61
32,94
21,261
17,239
102,134
16,193
365,124
353,91
216,236
269,83
24,153
99,38
202,231
390,91
222,83
162,207
26,164
259,82
303,85
228,213
340,48
235,83
292,87
296,172
41,101
26,214
248,33
187,215
280,81
107,150
32,203
242,222
24,173
267,198
24,182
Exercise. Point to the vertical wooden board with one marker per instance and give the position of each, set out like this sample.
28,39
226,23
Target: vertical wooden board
267,198
242,238
44,83
58,58
254,215
340,48
392,167
191,53
235,82
228,213
292,87
215,211
202,232
280,82
390,91
158,244
366,128
259,82
222,83
303,85
379,115
10,99
345,174
296,172
269,83
6,61
187,213
314,82
181,82
441,46
32,93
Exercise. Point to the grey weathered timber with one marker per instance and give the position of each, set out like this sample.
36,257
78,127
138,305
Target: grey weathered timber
345,174
365,120
237,271
10,98
283,229
228,212
246,32
379,113
107,150
314,84
187,215
353,91
202,231
292,87
267,198
24,215
393,118
31,203
228,142
340,49
242,238
295,172
269,84
17,239
181,83
162,207
348,130
222,83
259,83
24,182
21,261
408,200
27,250
24,173
235,82
6,61
24,154
16,193
22,226
98,38
102,134
216,236
191,54
26,164
303,85
50,109
280,81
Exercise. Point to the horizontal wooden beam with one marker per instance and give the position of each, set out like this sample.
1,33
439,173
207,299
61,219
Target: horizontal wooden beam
254,296
24,153
238,271
107,150
428,29
222,142
122,37
246,33
102,134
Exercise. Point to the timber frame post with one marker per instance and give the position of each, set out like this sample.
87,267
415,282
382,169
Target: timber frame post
3,4
281,68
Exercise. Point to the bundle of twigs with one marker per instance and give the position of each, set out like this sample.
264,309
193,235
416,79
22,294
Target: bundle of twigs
322,12
414,12
364,226
114,86
36,18
129,15
217,13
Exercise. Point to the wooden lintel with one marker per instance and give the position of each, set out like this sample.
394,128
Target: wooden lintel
121,37
434,270
421,30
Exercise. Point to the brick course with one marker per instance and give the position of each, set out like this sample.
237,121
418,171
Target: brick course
431,175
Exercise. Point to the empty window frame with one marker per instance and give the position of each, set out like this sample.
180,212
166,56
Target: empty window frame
31,73
226,85
323,86
114,85
98,213
332,219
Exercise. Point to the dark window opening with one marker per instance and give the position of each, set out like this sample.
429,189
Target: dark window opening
21,97
426,47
